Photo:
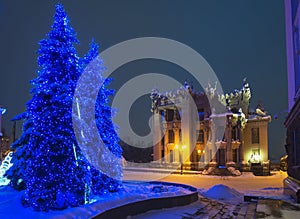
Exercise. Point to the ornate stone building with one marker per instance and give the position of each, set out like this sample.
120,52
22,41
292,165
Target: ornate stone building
208,130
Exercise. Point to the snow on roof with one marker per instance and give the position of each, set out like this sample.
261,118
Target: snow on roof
255,117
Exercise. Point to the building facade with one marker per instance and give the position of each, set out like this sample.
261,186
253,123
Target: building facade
292,122
208,131
3,140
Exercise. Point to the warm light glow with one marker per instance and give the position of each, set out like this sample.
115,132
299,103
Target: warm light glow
256,157
183,146
203,151
199,151
176,146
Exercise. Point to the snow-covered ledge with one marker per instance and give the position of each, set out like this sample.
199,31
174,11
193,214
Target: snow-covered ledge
147,204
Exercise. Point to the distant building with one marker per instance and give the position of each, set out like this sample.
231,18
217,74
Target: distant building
4,141
224,135
292,122
4,146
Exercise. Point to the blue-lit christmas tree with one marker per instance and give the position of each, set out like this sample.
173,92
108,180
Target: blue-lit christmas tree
56,174
17,171
53,180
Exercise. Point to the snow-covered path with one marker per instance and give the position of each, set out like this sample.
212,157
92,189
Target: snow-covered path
244,183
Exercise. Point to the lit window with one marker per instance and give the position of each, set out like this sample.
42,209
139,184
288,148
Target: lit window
255,156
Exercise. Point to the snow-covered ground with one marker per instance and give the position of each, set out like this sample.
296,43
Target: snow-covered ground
11,208
230,190
246,184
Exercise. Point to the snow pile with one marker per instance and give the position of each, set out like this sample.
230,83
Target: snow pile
208,171
234,172
222,192
213,170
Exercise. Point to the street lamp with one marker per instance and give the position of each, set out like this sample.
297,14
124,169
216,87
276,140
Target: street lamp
180,150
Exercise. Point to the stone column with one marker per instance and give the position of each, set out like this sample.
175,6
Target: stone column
176,142
213,141
206,148
186,130
241,147
165,115
229,140
156,123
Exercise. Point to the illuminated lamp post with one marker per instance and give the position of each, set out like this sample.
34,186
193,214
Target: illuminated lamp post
180,148
2,111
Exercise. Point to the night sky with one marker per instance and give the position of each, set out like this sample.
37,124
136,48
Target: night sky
238,39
